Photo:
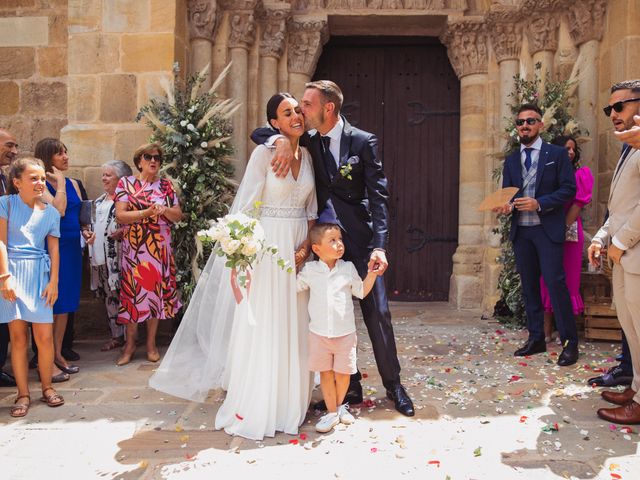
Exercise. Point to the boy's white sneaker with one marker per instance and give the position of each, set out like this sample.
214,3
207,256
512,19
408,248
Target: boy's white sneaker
345,415
327,422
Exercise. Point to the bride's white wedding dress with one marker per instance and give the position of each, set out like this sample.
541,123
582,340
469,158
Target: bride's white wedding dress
263,366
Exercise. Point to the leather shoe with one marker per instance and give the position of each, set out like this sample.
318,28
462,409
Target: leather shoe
70,355
353,397
531,348
614,376
59,378
619,398
71,369
7,380
401,400
569,356
628,414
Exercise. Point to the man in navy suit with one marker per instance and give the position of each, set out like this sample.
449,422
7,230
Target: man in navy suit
352,192
546,181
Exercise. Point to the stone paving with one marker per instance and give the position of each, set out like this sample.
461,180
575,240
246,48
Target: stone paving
481,414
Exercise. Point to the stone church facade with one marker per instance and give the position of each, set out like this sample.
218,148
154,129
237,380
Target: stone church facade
81,69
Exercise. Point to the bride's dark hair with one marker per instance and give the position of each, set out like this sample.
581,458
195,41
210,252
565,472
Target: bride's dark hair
273,104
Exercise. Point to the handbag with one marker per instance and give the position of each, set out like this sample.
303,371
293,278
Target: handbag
571,232
86,216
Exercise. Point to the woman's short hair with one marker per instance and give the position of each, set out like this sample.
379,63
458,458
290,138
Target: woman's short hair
46,149
146,148
561,141
121,168
17,168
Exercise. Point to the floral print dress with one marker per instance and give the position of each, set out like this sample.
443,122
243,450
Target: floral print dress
148,283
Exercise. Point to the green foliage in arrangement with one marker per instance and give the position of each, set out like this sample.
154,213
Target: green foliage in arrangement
555,103
194,129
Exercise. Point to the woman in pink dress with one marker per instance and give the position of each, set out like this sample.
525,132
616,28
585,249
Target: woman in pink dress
148,205
572,248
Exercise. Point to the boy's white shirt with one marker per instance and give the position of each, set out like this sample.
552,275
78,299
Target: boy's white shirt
330,303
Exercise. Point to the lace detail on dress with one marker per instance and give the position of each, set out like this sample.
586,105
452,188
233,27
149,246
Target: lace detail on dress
283,212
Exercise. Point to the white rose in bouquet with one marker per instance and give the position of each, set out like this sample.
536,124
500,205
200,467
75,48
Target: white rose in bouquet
241,239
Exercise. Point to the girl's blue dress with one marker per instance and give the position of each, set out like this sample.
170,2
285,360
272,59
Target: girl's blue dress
29,262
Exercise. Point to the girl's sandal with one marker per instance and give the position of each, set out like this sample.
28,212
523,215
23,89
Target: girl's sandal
20,409
54,399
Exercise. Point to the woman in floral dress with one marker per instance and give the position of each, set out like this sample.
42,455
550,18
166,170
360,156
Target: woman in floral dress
148,205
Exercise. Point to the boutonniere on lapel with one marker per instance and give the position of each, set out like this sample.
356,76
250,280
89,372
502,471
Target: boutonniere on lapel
345,170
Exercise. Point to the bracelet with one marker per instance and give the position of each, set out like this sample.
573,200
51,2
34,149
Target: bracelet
4,276
61,191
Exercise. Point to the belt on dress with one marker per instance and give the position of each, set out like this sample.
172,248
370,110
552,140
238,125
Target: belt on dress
41,256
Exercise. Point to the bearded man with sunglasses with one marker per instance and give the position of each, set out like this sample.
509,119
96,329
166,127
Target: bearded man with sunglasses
621,235
546,181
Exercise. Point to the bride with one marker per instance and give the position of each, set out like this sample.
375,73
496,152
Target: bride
262,362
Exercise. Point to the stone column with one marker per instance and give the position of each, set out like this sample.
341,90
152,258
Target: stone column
542,32
505,32
202,26
506,38
241,38
466,42
306,38
271,48
586,25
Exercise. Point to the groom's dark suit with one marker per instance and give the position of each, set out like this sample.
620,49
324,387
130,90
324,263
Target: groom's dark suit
360,207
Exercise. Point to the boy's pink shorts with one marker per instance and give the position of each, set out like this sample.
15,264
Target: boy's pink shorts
337,354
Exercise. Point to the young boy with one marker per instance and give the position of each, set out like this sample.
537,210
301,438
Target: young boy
332,331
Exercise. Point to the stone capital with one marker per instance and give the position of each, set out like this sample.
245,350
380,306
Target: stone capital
243,29
202,19
466,42
505,31
586,20
306,38
274,19
240,4
542,32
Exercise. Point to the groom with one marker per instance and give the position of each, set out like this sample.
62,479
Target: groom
352,192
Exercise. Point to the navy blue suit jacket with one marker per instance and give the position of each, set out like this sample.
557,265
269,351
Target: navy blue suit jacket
361,203
555,186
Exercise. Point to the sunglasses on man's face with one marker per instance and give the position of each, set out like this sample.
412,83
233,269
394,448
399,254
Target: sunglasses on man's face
618,106
148,157
530,121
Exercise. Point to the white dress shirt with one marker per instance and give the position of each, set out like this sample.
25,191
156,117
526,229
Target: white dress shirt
335,134
535,152
330,303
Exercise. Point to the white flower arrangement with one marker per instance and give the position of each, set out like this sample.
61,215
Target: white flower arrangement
240,238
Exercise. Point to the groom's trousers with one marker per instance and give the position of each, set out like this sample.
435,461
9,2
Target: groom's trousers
377,318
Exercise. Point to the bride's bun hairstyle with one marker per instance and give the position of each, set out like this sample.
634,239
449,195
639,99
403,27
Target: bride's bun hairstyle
273,104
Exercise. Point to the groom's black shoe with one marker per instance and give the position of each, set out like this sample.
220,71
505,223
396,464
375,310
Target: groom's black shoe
531,348
569,355
353,397
401,400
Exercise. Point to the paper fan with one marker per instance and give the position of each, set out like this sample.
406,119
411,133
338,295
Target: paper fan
498,199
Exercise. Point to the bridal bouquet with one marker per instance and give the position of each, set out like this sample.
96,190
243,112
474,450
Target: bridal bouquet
240,238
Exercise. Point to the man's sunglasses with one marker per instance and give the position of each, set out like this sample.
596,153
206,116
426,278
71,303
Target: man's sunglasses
530,121
618,106
148,158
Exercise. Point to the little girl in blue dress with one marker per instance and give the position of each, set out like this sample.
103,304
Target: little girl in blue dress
29,276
